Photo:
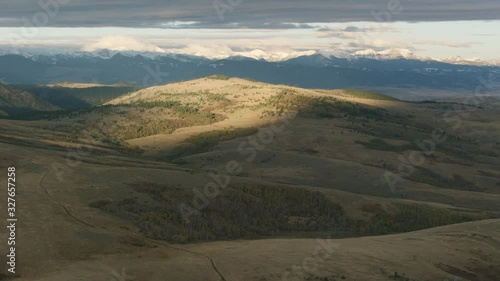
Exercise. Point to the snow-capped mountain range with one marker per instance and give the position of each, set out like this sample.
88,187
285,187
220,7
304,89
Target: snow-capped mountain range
407,54
310,69
389,54
32,52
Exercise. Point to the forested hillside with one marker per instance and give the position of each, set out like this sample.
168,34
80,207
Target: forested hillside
14,101
21,99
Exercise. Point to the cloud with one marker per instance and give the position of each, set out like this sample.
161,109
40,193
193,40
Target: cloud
379,44
237,25
350,31
484,34
368,36
122,43
214,51
349,28
9,21
245,13
451,44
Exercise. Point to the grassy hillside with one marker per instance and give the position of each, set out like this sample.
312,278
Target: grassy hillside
70,98
261,171
19,100
355,93
15,100
204,141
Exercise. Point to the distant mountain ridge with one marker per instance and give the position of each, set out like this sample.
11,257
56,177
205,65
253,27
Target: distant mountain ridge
257,54
368,70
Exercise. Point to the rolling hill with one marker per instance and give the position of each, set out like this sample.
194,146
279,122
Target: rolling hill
14,101
313,71
225,178
23,99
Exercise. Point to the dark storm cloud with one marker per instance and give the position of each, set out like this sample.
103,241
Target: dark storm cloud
241,13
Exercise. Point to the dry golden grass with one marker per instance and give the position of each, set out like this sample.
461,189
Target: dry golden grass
317,154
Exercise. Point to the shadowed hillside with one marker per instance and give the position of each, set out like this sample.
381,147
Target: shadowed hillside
17,101
148,173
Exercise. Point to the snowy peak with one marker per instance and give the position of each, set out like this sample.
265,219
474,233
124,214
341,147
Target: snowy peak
366,53
282,56
471,61
315,57
391,54
259,54
397,53
387,54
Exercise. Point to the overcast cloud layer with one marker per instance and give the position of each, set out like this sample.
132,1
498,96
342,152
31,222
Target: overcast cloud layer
258,28
243,13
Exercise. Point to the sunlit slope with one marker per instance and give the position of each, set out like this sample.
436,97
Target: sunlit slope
240,102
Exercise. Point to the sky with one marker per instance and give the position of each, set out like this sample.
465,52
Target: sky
218,28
